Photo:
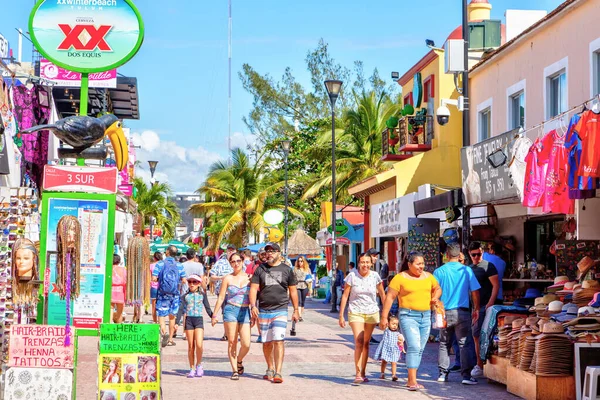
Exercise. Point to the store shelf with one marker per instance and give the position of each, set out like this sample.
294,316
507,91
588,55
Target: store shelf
528,280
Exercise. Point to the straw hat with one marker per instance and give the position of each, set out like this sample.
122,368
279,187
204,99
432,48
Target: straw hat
559,281
555,307
584,265
552,327
590,284
568,288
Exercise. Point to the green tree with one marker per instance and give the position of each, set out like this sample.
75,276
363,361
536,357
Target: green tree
236,195
154,201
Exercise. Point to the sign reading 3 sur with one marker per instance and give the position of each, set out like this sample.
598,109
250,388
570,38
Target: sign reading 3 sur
86,35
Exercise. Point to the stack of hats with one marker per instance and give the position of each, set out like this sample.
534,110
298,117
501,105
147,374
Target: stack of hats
585,325
568,312
541,304
526,331
514,340
584,294
554,351
559,284
536,330
567,289
584,266
503,331
528,340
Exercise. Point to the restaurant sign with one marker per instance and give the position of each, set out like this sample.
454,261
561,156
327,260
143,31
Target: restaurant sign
482,183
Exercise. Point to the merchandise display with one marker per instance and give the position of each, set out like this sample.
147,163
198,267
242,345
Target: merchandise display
138,271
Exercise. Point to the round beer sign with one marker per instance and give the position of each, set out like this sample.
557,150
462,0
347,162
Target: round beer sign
86,35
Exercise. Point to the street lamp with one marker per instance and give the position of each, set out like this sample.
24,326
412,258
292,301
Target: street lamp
152,165
285,145
333,90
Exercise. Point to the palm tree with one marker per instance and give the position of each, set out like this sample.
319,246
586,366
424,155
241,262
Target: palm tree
358,144
234,198
154,201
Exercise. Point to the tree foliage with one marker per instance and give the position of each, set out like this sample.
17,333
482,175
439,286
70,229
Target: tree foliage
154,201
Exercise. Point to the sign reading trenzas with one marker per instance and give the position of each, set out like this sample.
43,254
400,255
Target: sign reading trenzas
40,346
129,338
86,35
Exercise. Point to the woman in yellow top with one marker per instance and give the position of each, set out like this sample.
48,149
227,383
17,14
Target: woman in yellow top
417,291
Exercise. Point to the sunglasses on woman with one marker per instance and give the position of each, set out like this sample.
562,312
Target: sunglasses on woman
237,261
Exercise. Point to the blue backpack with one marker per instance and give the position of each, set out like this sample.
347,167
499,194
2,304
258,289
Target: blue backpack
168,278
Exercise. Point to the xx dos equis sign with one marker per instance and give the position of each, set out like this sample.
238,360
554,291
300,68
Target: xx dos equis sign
86,35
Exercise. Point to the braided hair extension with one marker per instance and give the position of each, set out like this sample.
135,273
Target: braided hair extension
24,293
68,266
138,271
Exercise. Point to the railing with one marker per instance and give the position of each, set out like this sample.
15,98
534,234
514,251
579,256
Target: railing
413,134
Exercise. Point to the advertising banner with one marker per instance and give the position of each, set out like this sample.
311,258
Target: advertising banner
129,376
40,346
65,78
38,384
87,310
86,35
129,338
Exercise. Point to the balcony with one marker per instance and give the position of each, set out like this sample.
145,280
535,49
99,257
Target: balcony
412,135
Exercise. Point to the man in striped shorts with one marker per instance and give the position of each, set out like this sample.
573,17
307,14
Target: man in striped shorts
275,280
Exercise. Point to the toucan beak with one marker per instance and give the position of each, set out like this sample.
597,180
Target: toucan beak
119,144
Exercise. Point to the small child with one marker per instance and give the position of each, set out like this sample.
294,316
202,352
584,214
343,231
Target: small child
193,302
391,347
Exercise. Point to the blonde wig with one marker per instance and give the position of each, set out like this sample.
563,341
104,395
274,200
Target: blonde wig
138,271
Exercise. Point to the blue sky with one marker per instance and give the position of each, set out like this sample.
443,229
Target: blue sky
182,65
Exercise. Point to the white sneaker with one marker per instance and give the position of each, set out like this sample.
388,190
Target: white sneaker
477,372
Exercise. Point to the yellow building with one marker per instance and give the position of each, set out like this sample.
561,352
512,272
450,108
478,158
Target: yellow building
433,159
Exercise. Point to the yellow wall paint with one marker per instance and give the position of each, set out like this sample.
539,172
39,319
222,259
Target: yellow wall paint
383,195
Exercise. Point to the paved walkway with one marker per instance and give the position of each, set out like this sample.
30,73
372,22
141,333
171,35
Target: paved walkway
318,364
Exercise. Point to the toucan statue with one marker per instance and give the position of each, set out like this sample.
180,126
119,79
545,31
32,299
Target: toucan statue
82,132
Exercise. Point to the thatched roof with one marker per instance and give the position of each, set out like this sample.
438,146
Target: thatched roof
301,243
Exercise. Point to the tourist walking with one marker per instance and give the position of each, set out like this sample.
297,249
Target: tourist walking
417,291
360,293
234,293
190,267
488,279
194,301
218,272
390,348
304,279
119,285
275,284
154,284
458,283
169,274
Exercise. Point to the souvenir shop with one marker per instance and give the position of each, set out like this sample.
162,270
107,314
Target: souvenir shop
539,190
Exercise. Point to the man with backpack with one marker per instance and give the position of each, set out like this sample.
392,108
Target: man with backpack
169,274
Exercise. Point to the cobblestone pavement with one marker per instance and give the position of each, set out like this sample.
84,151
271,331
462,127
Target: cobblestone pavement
318,364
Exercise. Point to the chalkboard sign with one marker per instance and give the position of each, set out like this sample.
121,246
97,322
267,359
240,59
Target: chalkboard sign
586,355
570,252
424,237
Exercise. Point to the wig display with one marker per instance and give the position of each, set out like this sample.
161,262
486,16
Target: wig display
25,269
138,271
68,266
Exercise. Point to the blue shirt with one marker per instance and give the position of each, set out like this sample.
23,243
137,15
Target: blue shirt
456,281
500,267
161,264
221,268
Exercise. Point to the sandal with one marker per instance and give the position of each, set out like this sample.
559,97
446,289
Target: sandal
268,376
394,378
235,376
357,381
224,338
365,379
414,388
382,376
240,368
277,378
171,343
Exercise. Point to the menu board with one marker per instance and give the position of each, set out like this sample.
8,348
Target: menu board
570,252
424,237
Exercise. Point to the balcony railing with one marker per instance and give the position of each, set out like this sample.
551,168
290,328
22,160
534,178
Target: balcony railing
412,135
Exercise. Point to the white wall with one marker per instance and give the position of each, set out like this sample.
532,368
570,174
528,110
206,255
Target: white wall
519,20
588,220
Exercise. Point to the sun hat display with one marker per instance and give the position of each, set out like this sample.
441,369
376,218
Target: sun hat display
595,302
532,293
584,294
567,289
514,340
555,307
584,265
559,282
553,351
569,312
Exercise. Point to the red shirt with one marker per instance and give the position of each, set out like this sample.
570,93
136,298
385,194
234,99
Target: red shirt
587,129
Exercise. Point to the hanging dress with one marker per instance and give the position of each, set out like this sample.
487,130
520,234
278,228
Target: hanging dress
13,179
556,191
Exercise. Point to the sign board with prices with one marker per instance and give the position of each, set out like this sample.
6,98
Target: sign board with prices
483,183
80,179
39,346
570,252
424,237
86,36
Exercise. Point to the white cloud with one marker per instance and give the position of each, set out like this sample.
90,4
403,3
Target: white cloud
184,168
241,140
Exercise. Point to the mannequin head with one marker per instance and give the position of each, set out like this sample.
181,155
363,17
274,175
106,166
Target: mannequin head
25,260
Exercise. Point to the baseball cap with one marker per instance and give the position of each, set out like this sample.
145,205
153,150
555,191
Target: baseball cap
261,250
372,251
273,246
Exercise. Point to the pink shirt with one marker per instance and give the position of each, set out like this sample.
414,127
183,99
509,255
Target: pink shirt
535,177
556,190
153,285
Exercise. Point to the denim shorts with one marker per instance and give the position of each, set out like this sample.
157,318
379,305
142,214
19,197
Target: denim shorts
240,315
153,293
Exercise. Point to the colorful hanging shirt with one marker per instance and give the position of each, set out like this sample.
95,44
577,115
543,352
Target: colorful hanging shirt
554,154
535,178
574,144
587,128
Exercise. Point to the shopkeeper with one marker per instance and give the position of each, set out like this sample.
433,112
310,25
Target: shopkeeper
492,255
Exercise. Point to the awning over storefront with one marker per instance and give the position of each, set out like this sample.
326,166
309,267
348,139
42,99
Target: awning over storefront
452,198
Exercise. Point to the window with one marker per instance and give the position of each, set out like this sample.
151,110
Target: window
485,124
517,110
595,67
556,93
408,99
429,88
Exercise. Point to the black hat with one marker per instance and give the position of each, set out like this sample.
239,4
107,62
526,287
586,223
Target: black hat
273,246
261,250
372,252
230,246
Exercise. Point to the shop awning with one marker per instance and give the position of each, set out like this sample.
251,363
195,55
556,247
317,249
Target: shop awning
122,100
452,198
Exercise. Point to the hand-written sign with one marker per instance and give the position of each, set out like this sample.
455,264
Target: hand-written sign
40,346
129,338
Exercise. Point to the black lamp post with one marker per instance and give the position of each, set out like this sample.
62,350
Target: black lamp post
333,90
285,145
152,165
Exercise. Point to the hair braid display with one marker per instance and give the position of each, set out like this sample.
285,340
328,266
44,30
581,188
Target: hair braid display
24,293
68,269
138,271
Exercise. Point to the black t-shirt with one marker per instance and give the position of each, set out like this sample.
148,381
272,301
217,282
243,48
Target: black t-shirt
273,283
483,271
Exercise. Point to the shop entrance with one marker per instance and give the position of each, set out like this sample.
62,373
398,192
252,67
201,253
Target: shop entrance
540,233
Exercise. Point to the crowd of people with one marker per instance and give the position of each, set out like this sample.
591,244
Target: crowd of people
257,291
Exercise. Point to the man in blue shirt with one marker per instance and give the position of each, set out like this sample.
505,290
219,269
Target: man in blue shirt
458,282
167,304
493,256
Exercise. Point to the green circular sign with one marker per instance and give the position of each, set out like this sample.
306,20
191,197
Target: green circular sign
86,35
